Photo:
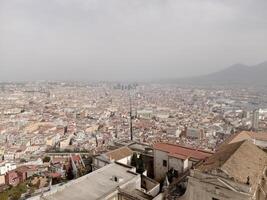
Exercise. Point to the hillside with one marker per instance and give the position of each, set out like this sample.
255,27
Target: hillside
238,74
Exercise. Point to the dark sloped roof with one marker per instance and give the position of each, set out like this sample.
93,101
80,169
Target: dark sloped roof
238,161
220,157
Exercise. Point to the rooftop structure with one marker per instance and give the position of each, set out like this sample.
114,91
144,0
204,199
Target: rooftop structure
105,183
121,155
175,157
258,138
236,171
181,151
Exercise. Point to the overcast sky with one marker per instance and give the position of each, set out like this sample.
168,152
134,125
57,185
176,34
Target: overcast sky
128,39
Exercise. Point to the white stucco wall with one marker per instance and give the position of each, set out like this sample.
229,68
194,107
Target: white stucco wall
260,143
125,161
176,164
159,169
2,180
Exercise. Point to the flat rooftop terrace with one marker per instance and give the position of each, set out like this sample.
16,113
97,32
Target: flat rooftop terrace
95,185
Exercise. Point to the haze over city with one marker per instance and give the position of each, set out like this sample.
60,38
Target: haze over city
128,40
133,100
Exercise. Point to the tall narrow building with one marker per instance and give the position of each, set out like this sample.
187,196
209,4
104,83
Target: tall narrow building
255,120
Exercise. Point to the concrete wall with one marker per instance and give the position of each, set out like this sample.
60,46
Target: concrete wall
172,162
98,163
159,197
186,164
202,189
3,170
125,161
2,180
133,183
176,164
152,187
160,170
260,143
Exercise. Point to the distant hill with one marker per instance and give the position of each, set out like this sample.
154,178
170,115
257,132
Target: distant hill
235,75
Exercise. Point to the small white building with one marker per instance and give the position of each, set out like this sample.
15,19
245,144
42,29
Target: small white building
6,167
121,155
172,156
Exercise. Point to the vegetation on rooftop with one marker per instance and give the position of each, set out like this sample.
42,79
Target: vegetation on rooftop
14,193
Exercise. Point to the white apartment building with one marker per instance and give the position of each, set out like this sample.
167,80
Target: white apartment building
6,167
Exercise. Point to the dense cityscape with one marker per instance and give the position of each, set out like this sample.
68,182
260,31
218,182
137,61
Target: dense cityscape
54,132
133,100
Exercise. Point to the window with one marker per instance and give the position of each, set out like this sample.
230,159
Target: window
215,198
164,163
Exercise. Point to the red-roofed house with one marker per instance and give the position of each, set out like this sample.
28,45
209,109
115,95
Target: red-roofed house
172,156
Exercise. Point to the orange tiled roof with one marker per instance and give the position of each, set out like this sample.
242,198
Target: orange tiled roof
120,153
182,152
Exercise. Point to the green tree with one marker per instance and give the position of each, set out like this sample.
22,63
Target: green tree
16,192
46,159
22,160
134,160
70,174
140,166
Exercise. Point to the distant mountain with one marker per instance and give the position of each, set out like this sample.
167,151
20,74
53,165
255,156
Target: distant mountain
235,75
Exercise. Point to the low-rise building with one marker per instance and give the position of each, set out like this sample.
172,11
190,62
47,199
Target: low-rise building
121,155
6,167
112,182
176,157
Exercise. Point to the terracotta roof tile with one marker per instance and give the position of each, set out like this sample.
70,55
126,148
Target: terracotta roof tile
118,154
182,152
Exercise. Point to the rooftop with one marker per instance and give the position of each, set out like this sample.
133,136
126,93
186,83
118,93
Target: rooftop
103,184
119,153
182,152
238,161
245,135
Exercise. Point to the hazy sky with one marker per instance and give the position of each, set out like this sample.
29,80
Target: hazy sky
128,39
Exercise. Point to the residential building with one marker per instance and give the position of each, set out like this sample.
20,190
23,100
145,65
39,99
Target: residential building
121,155
6,167
172,156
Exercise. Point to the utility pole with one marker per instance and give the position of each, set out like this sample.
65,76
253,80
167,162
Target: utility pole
131,124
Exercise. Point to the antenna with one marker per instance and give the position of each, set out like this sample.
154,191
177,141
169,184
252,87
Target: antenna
131,124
